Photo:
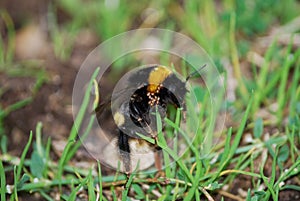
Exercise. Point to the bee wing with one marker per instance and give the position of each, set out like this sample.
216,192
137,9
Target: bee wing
104,110
109,152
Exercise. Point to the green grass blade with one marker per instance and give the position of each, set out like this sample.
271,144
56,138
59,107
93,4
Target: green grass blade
240,131
293,170
38,139
291,187
6,56
14,195
148,139
295,85
15,106
74,192
90,186
262,78
270,188
20,166
162,139
128,183
225,156
78,143
273,175
177,159
44,195
281,97
138,191
226,151
3,182
258,128
235,57
173,154
100,181
82,110
194,189
73,134
61,163
47,157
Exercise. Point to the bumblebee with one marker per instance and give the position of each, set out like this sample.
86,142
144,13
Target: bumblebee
150,89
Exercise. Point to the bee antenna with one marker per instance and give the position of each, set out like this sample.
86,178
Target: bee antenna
194,73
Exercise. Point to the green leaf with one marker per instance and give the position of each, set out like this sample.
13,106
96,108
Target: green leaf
258,128
3,143
254,198
283,153
213,186
259,193
293,187
139,192
181,175
248,198
23,180
37,164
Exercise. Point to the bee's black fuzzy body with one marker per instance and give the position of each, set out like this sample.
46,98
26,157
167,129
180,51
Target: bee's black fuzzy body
156,88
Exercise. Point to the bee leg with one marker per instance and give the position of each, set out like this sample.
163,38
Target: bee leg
157,156
124,151
158,160
158,164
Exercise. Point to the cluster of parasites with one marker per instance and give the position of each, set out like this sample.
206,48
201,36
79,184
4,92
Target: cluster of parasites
153,98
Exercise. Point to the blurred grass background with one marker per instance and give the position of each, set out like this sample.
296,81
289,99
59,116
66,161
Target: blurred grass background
254,44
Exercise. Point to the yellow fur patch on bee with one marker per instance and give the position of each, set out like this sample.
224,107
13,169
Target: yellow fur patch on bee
119,118
156,77
138,146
